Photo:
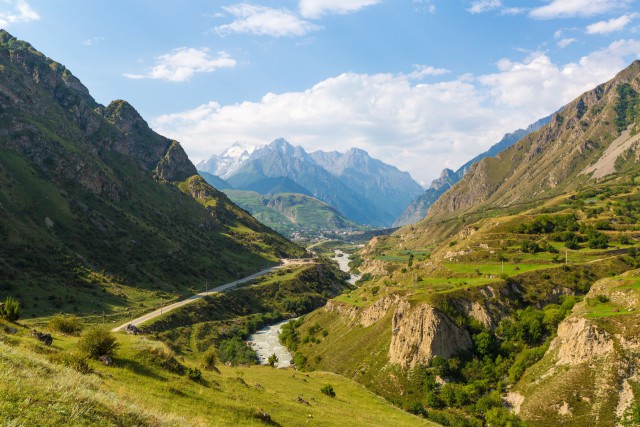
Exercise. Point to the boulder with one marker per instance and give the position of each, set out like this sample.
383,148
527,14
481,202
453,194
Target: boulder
131,329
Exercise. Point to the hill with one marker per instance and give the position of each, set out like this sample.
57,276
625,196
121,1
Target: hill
98,213
508,284
291,214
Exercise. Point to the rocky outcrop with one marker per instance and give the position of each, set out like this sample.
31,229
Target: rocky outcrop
579,341
422,332
345,310
174,165
377,310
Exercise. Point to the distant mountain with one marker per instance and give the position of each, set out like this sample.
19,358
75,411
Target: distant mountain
418,208
228,162
292,214
94,203
363,189
215,181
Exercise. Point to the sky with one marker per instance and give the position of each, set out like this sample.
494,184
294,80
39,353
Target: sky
419,84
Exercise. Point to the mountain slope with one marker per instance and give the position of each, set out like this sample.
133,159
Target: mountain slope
389,189
215,181
556,158
418,208
363,189
291,213
97,211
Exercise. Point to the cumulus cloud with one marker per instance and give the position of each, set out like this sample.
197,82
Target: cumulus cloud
419,127
92,41
318,8
182,63
612,25
481,6
15,12
264,21
573,8
422,71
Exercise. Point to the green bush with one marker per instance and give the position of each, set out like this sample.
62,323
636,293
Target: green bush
273,360
75,361
236,352
328,390
68,325
210,358
98,341
194,374
10,309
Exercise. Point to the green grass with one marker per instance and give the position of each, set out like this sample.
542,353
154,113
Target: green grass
37,390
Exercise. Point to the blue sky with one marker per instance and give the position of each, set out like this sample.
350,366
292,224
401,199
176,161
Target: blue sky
420,84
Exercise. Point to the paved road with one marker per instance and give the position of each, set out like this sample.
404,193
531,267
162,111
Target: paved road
175,305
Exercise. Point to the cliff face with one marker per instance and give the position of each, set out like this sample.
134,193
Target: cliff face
422,332
590,371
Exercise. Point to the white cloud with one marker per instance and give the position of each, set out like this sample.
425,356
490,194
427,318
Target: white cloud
419,127
318,8
566,42
572,8
612,25
425,6
264,21
422,71
481,6
92,41
19,11
182,63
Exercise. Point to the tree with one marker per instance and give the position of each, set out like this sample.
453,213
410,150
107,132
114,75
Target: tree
10,309
97,342
273,360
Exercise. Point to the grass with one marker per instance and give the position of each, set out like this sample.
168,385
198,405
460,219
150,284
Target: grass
37,390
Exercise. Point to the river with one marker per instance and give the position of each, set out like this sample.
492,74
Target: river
265,341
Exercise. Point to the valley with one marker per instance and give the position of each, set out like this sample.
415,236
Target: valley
278,285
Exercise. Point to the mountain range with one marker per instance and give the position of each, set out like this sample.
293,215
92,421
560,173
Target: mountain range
363,189
418,208
93,202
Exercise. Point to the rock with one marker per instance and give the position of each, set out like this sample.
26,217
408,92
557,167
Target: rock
131,329
424,332
580,341
46,339
10,330
106,360
262,415
377,310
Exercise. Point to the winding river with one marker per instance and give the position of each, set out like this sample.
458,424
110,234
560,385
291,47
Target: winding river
265,341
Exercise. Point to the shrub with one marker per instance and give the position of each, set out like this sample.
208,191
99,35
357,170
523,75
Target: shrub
273,359
68,325
98,341
10,310
194,374
328,390
75,361
210,358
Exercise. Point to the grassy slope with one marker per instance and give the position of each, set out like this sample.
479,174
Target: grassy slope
290,212
546,387
37,390
87,224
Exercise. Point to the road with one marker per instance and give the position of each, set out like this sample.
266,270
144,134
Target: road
196,297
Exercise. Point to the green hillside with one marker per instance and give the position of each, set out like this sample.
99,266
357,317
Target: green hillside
477,300
291,213
99,214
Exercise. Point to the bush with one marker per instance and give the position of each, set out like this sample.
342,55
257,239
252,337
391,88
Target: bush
68,325
328,390
10,309
194,374
75,361
236,352
98,341
273,359
210,358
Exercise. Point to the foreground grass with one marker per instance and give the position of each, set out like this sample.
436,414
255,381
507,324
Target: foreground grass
140,389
